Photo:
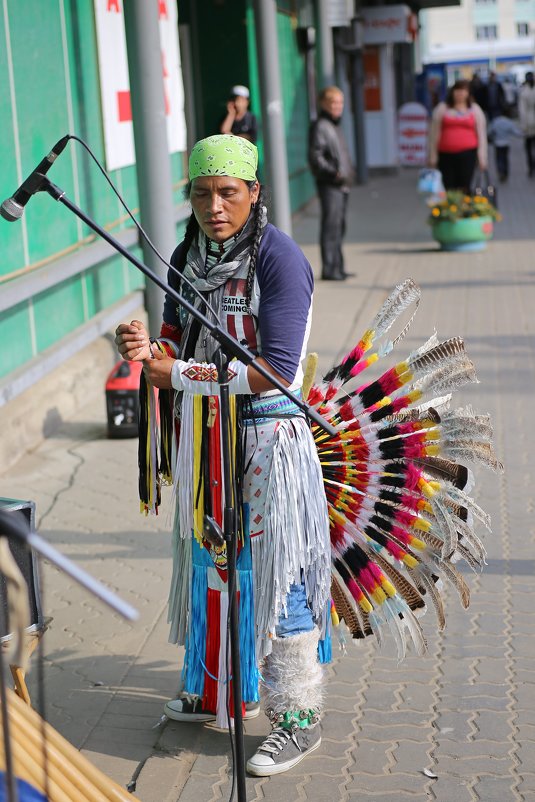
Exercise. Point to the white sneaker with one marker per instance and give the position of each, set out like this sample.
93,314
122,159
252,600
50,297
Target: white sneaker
283,749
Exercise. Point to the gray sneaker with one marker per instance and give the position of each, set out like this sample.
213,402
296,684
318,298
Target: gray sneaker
283,749
189,708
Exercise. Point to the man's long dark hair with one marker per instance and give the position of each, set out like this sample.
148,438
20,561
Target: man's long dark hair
192,229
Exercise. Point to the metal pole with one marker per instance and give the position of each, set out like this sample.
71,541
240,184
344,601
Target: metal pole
357,89
326,49
271,103
230,534
153,165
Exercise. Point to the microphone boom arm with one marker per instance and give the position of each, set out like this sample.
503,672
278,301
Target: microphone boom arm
230,345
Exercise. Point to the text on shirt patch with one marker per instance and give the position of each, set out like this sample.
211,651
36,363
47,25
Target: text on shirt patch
239,322
234,304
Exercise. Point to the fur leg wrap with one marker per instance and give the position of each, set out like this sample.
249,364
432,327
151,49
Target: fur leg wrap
292,675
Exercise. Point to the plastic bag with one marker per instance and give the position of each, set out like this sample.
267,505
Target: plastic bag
430,182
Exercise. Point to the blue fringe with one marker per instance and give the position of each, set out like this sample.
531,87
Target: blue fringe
249,669
325,646
195,654
325,649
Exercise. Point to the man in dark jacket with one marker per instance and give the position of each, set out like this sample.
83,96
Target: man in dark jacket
331,166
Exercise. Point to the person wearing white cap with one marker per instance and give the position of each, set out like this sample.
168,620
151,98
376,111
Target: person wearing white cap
238,119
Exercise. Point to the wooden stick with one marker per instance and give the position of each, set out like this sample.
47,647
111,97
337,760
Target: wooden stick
23,761
105,785
19,681
45,769
56,759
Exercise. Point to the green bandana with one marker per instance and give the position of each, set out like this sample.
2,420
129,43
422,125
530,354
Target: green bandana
224,154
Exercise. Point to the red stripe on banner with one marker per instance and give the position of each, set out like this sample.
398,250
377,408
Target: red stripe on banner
213,639
124,107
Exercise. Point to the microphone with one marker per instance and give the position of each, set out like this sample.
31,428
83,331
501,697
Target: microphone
13,208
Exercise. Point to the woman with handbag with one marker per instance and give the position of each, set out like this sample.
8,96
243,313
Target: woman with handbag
458,138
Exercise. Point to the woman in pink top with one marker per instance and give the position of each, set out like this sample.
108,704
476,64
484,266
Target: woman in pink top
458,138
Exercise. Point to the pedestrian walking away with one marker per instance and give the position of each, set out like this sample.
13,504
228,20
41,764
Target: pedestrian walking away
526,113
496,103
501,130
357,526
331,166
458,138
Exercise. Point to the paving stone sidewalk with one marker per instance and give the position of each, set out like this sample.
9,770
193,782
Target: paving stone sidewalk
466,711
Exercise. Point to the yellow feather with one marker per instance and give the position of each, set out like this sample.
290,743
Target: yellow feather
310,374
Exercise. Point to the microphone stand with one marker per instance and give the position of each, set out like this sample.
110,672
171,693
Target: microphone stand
230,347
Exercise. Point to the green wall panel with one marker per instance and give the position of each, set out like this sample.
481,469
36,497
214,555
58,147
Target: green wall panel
134,278
11,245
106,283
58,312
39,75
15,334
295,104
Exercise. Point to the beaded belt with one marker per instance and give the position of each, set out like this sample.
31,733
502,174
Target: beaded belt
271,406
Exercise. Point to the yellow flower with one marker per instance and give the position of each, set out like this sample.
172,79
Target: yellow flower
453,208
467,198
435,212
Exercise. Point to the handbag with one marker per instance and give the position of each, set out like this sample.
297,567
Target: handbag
484,188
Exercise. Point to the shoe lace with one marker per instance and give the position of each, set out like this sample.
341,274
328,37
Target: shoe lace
277,740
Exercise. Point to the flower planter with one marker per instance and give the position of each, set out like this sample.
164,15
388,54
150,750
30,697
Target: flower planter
468,234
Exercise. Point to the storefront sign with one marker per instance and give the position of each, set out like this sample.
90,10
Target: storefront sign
384,24
115,84
413,127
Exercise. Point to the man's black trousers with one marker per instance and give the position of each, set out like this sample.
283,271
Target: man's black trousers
333,203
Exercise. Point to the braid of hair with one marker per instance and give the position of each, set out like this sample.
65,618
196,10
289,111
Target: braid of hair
192,229
254,248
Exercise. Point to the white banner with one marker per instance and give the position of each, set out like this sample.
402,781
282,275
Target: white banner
115,84
413,126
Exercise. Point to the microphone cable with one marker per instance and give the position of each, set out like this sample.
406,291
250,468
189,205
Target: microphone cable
142,230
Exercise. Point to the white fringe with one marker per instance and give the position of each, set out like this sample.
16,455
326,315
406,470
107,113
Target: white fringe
295,545
179,591
184,468
292,675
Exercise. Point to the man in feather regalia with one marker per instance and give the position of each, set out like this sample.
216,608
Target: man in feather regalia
260,285
359,526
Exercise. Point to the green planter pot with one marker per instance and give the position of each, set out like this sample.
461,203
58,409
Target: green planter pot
470,234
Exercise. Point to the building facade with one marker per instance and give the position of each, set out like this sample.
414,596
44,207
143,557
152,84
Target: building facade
480,35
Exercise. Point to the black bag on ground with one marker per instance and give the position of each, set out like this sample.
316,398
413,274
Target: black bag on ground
483,187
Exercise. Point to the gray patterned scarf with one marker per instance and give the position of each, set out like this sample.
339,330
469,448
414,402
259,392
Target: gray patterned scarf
210,280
